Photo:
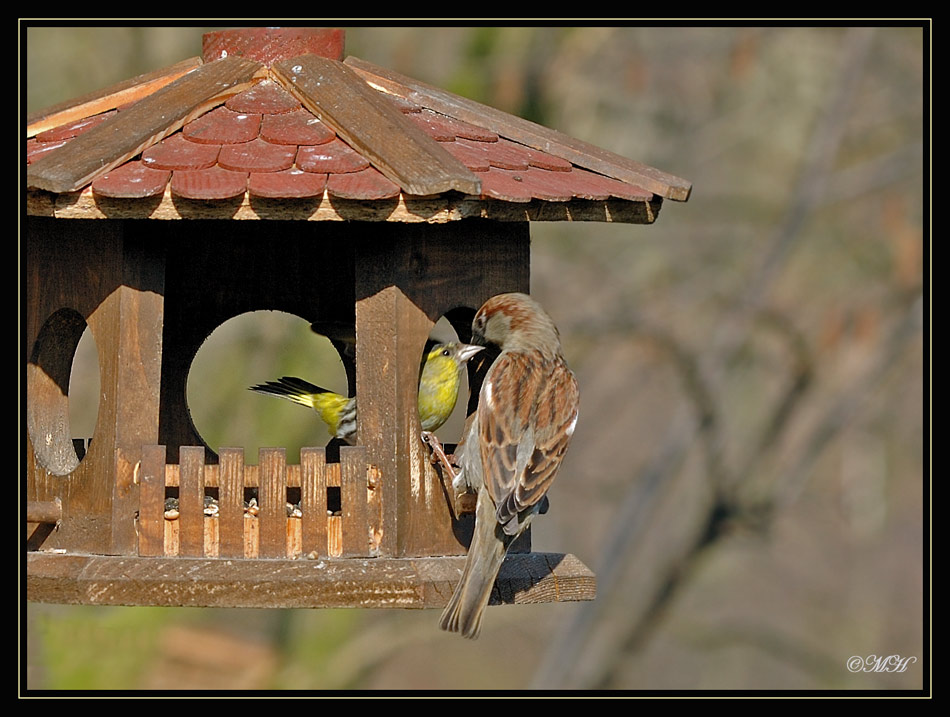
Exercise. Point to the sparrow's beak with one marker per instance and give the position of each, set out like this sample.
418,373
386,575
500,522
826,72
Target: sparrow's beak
466,351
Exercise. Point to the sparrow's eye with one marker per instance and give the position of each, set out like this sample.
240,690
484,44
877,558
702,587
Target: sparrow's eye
446,352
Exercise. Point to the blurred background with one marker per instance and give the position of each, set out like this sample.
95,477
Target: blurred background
747,479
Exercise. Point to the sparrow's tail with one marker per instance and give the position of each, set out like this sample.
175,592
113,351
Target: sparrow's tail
489,545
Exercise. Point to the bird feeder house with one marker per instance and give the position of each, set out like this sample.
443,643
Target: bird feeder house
162,207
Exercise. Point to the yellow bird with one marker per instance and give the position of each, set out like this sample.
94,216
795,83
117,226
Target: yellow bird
438,392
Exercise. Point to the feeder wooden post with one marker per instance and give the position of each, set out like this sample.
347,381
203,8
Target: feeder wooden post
102,276
405,281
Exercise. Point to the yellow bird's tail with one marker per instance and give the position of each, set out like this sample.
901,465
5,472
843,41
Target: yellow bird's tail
335,410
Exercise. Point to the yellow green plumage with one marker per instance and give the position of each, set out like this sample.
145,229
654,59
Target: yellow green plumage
438,392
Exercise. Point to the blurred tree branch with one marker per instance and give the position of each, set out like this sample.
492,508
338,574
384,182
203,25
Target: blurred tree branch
573,659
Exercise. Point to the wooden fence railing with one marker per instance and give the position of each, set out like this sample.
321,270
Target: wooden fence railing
271,510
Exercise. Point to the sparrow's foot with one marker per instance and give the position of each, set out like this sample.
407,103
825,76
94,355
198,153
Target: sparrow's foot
438,455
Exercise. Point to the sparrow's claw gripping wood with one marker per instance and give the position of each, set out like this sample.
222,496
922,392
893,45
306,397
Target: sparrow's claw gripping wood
464,499
439,458
438,455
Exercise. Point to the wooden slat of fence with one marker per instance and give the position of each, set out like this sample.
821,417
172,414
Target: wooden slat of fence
353,499
191,501
270,534
231,503
313,501
151,525
292,524
210,527
374,509
252,534
272,494
171,538
335,521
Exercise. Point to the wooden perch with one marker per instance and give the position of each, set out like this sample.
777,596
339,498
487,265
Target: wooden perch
374,127
521,130
128,133
45,511
377,583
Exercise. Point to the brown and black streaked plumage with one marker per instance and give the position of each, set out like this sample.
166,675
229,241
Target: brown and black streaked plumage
512,445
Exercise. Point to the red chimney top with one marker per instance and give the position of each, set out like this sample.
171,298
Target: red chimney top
271,44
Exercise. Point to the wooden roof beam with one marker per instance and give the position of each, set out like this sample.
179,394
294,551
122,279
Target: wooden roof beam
148,121
111,97
521,130
374,127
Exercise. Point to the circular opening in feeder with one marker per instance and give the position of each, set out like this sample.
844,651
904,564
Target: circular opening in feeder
62,392
249,350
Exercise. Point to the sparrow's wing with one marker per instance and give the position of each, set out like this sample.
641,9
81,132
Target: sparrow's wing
526,412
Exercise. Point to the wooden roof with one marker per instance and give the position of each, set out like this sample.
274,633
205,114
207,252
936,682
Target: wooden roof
250,135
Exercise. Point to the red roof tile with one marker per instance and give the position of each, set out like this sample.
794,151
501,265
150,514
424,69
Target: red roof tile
335,157
223,126
36,149
472,157
176,152
73,129
503,155
133,180
505,184
289,184
298,128
446,129
257,156
365,184
266,98
212,183
536,158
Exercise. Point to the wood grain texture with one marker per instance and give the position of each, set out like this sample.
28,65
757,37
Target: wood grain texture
107,99
390,336
125,135
272,496
369,583
46,511
395,145
191,501
151,522
270,530
408,276
323,208
231,502
353,496
112,283
520,130
313,501
267,44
